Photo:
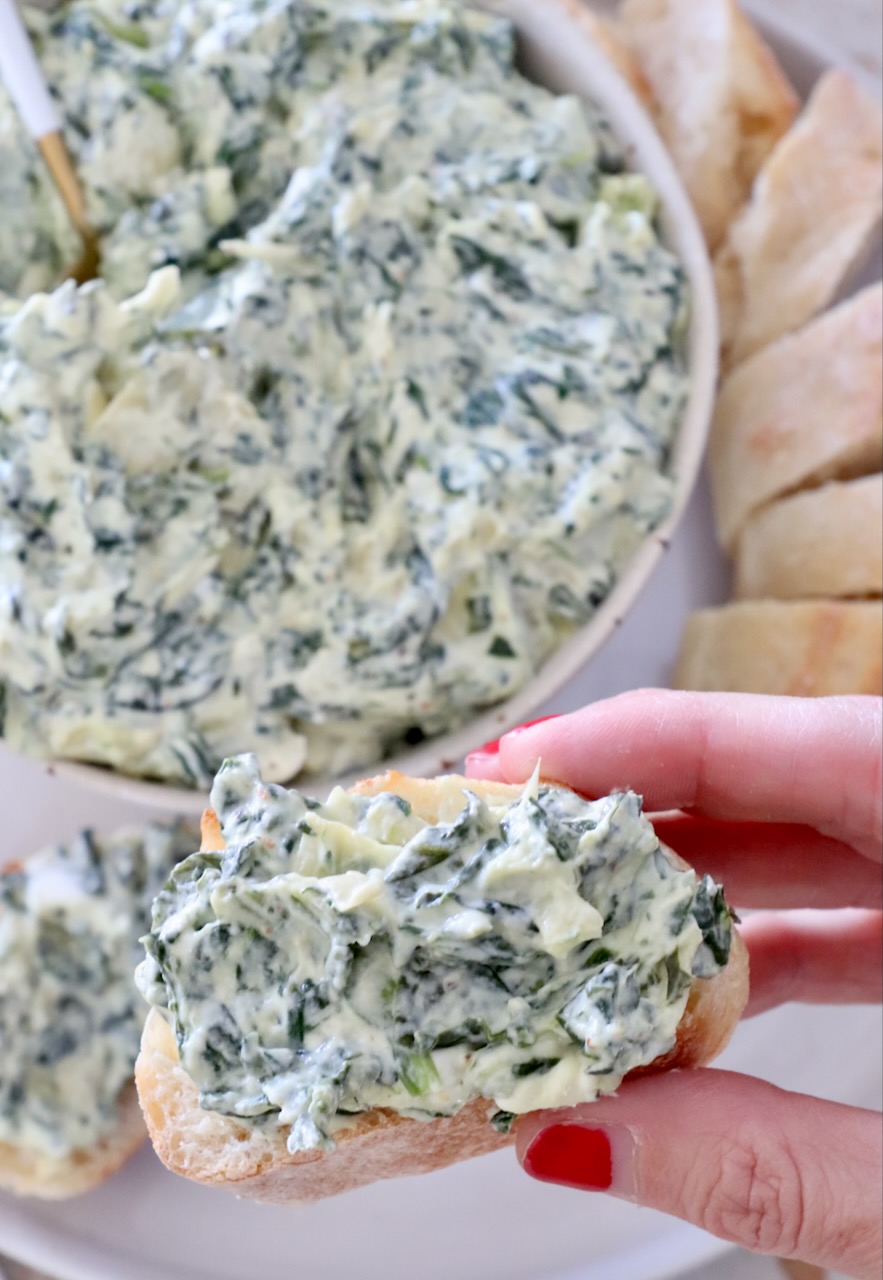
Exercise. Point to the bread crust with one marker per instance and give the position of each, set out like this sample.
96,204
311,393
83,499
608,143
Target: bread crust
720,98
254,1162
26,1172
824,543
795,648
813,219
31,1173
806,410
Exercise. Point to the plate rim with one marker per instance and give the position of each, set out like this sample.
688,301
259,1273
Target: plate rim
682,1247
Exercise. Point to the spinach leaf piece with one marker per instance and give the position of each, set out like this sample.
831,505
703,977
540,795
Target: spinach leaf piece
713,915
436,844
418,1073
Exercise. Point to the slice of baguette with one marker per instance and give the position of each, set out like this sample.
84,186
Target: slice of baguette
806,410
254,1162
30,1173
826,543
26,1172
720,98
813,220
807,649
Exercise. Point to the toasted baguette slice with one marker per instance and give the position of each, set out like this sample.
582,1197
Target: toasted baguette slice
827,542
807,649
28,1173
379,1144
806,410
813,220
721,100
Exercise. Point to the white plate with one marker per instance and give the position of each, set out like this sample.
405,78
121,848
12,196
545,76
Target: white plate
478,1221
558,52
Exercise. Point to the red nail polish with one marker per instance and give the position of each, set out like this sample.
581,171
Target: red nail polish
532,724
571,1156
489,749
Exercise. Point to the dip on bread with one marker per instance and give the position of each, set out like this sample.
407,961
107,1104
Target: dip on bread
527,947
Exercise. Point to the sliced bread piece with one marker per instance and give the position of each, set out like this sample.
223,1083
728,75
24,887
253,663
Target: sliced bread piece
806,410
813,219
826,542
31,1173
721,99
70,1017
806,649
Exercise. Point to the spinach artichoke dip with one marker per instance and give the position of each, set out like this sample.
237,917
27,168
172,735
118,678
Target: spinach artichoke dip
374,403
70,1014
343,956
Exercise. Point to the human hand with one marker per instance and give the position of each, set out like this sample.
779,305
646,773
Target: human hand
780,800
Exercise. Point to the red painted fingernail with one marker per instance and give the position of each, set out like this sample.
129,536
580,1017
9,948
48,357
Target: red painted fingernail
571,1156
489,749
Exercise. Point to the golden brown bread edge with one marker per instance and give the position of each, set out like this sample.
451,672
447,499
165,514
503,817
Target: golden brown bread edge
26,1172
31,1173
255,1163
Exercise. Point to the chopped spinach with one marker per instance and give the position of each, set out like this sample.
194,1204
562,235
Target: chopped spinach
348,954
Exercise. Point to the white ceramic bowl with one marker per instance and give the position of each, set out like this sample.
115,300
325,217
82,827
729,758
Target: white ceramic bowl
558,51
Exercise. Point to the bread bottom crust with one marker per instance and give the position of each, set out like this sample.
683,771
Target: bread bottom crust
31,1173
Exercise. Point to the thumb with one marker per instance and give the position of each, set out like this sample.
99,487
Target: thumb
774,1172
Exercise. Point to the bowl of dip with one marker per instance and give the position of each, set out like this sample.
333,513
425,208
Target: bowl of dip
356,465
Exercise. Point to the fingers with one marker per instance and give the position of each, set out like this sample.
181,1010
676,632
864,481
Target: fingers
738,757
773,865
814,957
774,1172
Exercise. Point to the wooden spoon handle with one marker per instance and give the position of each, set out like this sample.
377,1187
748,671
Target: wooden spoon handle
58,162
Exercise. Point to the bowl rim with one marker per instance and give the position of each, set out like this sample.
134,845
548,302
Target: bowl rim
560,51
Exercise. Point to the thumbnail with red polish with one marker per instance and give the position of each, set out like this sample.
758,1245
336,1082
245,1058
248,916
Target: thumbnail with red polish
571,1156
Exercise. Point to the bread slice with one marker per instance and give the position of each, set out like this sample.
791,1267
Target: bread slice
30,1173
813,220
827,543
807,649
806,410
720,98
254,1162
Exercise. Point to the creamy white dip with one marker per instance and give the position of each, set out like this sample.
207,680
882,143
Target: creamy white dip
375,438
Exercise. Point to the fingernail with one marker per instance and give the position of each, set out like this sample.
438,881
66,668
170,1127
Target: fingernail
571,1156
479,762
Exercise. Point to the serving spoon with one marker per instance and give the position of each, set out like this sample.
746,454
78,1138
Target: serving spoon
20,72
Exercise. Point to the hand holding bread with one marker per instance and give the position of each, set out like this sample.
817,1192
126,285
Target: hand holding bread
781,799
